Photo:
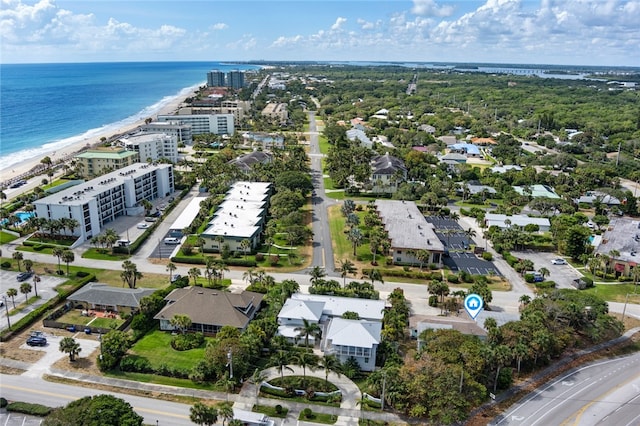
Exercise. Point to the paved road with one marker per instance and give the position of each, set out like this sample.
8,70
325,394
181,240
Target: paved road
602,393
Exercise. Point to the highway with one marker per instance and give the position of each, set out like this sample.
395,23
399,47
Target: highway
601,393
22,388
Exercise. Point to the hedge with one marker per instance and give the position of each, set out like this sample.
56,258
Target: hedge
406,274
201,261
28,408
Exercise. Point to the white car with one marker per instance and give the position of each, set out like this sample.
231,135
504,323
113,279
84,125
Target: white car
142,225
559,261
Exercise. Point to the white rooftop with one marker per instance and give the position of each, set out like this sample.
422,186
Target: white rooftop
495,219
80,194
335,306
406,226
358,333
310,310
188,214
249,191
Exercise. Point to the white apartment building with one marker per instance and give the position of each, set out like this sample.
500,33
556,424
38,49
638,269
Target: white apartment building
219,124
152,146
99,201
182,132
241,216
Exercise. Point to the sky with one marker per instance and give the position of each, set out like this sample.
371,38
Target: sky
564,32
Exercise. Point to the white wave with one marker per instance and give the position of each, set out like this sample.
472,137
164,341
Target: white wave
10,160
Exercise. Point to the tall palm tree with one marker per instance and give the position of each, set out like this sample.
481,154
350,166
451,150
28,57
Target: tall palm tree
57,252
130,273
544,272
18,257
36,280
375,275
356,238
280,360
25,288
12,293
309,329
170,268
194,273
347,267
225,410
68,257
317,273
203,414
245,245
330,362
305,360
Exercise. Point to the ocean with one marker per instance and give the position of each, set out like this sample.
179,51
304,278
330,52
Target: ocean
47,107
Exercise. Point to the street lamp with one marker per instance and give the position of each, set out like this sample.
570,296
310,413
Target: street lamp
6,307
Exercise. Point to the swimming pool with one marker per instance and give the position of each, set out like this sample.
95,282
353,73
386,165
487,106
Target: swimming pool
23,216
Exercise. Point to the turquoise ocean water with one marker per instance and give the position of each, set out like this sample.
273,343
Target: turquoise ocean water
47,107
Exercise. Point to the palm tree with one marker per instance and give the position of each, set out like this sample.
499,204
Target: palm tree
130,273
356,238
181,322
317,273
57,252
170,268
309,329
25,288
225,410
245,245
305,360
68,257
375,275
470,234
455,216
69,346
18,256
347,267
36,280
423,256
544,272
194,273
12,293
28,265
257,378
525,299
203,414
248,275
330,362
280,360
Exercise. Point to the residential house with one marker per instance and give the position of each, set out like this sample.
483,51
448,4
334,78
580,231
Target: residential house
387,172
360,136
467,149
344,338
506,168
536,191
448,140
591,197
409,233
103,297
245,161
503,221
209,309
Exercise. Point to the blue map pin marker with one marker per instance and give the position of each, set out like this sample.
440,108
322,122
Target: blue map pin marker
473,304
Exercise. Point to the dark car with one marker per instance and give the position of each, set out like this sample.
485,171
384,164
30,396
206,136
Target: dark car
175,278
37,341
23,276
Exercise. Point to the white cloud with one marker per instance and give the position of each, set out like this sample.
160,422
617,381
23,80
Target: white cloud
430,8
219,26
339,23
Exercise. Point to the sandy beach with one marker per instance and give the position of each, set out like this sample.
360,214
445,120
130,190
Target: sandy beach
26,167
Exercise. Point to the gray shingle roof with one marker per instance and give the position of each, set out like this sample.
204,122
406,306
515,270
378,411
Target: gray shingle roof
103,294
212,307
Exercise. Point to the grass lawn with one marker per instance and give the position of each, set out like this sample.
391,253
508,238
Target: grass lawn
156,348
106,322
615,292
327,419
6,237
324,144
270,411
30,249
101,254
163,380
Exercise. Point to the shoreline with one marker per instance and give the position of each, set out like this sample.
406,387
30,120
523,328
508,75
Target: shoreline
29,166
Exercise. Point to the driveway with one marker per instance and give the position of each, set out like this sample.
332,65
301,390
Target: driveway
563,275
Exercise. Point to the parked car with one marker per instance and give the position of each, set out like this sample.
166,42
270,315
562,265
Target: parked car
559,261
172,240
150,219
23,276
143,225
36,341
175,278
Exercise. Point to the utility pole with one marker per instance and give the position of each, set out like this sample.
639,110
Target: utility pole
230,363
384,385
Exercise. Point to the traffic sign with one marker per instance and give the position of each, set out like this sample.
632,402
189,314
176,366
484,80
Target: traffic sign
473,304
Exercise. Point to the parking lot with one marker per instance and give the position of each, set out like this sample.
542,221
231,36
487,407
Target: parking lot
17,419
458,243
46,290
562,275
